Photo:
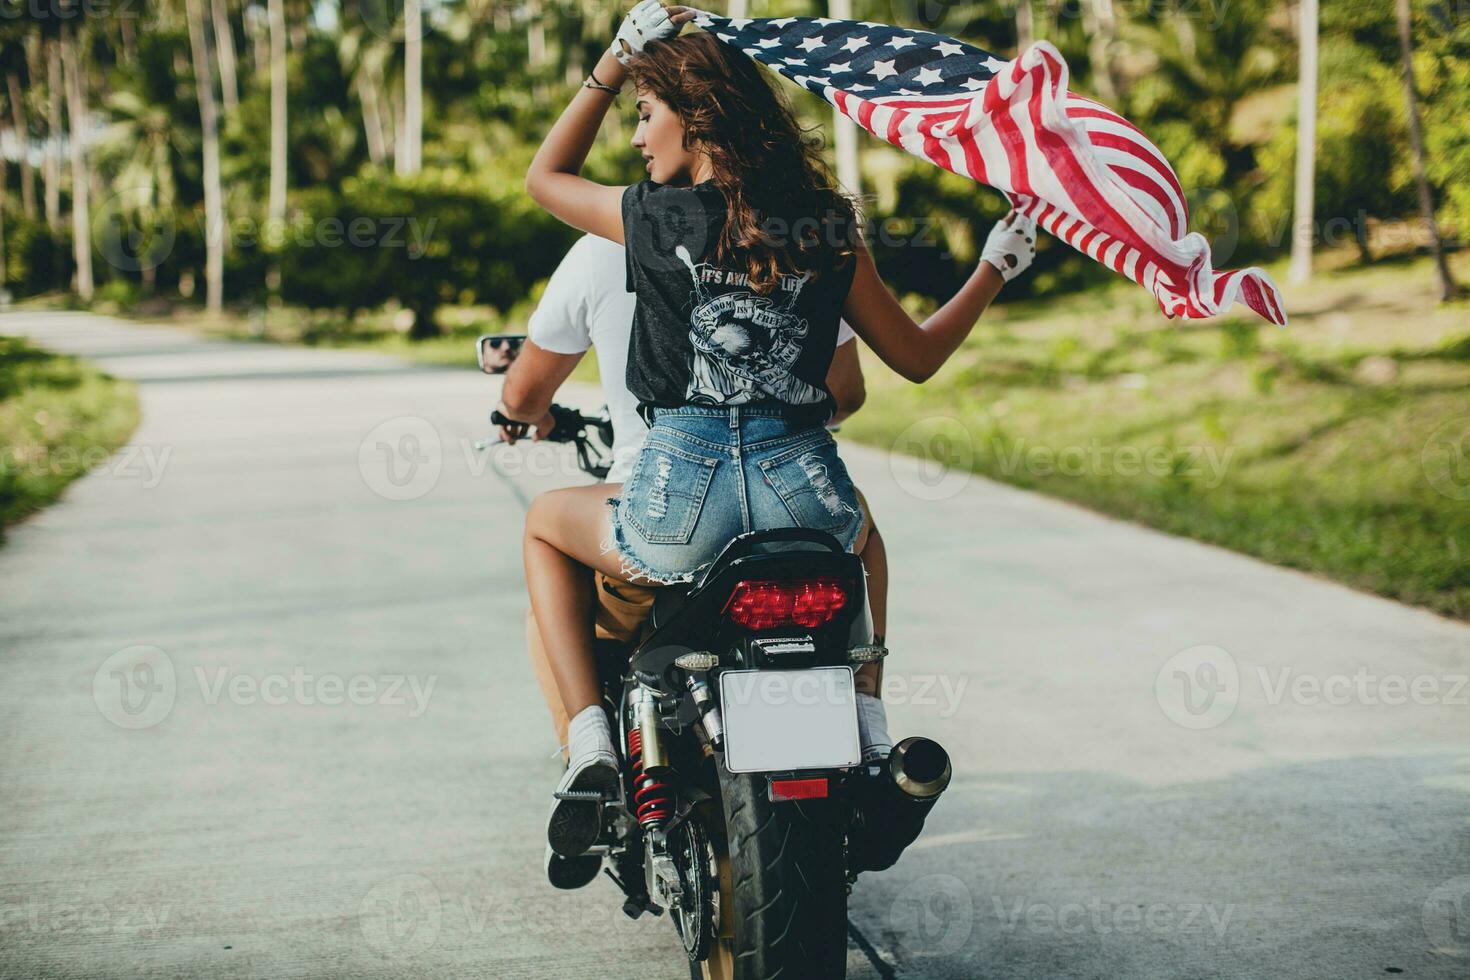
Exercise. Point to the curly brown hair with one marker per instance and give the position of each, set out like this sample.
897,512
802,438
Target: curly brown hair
785,208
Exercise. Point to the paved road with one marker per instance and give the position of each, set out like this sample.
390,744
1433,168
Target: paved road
261,718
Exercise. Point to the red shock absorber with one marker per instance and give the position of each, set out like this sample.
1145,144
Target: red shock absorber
652,799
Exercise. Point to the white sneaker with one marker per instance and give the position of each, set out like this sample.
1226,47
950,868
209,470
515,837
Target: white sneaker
575,823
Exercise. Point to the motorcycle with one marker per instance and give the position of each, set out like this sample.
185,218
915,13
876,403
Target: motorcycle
745,810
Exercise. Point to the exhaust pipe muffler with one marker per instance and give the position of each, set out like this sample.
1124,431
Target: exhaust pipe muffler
892,808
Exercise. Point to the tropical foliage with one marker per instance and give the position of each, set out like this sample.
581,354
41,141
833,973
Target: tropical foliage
176,127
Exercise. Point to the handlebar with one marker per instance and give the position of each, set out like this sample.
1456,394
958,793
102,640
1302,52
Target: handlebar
570,426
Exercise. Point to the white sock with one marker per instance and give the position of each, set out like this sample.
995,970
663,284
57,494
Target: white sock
588,733
873,727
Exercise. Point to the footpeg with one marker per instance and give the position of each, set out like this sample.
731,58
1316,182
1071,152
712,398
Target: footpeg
582,795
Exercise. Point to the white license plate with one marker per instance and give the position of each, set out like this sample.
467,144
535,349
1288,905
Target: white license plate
779,720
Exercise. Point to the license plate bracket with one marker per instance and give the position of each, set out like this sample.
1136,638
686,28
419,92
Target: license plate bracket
789,720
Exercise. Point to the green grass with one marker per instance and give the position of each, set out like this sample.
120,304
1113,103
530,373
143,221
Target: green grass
1340,445
59,418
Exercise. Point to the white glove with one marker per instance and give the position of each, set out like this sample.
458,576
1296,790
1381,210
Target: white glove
1011,246
648,21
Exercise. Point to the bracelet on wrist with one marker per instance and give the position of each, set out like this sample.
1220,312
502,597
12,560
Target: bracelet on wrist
591,82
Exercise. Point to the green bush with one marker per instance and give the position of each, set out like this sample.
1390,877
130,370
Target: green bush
424,241
1360,169
36,259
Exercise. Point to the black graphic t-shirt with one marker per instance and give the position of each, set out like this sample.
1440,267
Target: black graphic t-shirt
701,336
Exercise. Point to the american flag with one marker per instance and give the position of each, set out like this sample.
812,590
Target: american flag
1080,170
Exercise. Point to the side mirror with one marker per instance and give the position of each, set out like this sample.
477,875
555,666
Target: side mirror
496,351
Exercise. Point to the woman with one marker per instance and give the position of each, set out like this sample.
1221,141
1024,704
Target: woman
743,256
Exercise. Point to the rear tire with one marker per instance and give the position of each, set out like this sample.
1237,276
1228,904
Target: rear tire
787,896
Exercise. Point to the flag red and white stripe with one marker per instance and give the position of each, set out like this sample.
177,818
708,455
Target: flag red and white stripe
1079,169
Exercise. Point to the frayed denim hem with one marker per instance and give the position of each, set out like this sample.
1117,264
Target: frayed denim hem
632,569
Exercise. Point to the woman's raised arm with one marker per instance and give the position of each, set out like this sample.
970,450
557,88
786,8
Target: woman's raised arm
917,350
554,178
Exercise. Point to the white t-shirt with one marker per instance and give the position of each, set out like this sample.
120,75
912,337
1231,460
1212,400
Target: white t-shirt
586,304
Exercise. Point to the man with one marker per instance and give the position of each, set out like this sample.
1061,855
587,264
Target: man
586,304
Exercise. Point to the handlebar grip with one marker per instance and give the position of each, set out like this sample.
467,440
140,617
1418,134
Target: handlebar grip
569,424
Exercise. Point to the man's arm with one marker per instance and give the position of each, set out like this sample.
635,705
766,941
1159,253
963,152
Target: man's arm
845,381
530,386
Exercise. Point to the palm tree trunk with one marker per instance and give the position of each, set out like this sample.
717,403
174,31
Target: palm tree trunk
51,162
1025,26
535,36
1300,269
276,205
260,51
23,135
389,112
397,100
81,176
1447,288
411,138
849,171
214,223
129,39
4,276
536,56
1100,24
372,117
224,44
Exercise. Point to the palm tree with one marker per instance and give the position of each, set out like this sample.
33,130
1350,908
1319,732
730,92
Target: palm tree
1447,287
1199,78
140,146
81,175
411,135
214,220
1300,269
14,59
849,172
1025,26
51,162
363,54
276,205
1101,26
4,295
224,42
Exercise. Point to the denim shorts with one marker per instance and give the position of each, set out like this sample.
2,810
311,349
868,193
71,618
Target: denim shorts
707,474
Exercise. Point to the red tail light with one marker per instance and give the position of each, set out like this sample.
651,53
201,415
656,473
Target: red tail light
763,605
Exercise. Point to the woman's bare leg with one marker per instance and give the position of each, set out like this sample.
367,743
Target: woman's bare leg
875,560
869,547
565,531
